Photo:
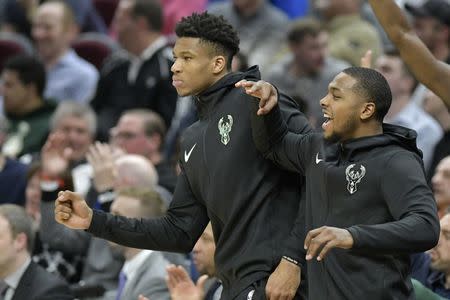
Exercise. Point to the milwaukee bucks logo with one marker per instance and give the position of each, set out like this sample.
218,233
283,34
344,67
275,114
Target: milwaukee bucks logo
354,177
225,129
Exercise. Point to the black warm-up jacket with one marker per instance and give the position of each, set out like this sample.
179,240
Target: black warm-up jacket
374,187
251,203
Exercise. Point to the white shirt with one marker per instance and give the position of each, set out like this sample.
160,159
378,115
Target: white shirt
13,279
131,266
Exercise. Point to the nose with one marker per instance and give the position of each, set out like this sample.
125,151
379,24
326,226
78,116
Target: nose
435,179
324,101
175,67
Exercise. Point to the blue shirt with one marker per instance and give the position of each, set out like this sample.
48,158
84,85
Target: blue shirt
434,280
72,78
13,180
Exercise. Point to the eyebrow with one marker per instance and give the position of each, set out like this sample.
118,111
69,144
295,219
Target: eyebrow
183,52
334,88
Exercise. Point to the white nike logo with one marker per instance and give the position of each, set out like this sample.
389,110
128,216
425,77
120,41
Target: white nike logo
318,160
187,155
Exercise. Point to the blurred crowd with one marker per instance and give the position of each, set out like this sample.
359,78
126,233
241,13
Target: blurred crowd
95,77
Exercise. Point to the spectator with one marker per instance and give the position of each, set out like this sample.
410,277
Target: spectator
20,278
24,105
405,112
69,77
441,185
432,269
308,69
77,124
139,76
12,173
436,108
144,271
431,22
350,35
181,285
261,27
141,131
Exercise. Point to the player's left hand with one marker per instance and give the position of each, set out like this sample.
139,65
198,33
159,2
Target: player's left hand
324,239
283,282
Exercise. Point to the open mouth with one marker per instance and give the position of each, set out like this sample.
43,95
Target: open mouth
328,120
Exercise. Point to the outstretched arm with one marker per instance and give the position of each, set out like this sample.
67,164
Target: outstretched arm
425,67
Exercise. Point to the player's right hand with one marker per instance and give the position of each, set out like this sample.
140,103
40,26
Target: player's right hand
72,210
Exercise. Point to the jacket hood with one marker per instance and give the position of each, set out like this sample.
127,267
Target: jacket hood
206,100
392,135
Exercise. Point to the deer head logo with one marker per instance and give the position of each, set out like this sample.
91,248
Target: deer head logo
225,129
354,177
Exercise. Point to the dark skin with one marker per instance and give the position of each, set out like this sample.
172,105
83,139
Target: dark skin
319,241
425,67
196,67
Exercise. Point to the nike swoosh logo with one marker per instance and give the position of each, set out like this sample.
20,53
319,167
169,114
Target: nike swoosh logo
318,160
188,154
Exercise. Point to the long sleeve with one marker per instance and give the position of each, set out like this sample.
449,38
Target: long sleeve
269,133
283,144
412,206
177,231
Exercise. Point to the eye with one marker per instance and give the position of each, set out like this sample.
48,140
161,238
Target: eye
187,58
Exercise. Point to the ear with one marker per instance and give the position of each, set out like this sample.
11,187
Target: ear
368,111
20,242
155,141
219,64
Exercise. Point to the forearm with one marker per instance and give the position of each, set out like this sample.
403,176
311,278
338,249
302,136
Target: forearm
267,130
293,246
166,233
392,18
433,73
413,233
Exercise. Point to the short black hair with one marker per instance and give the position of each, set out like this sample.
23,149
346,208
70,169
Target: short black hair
29,69
151,10
372,86
303,28
212,29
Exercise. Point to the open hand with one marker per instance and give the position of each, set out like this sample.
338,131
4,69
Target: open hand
181,286
55,155
264,91
102,159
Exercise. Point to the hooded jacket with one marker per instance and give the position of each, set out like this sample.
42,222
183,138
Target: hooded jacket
372,186
251,203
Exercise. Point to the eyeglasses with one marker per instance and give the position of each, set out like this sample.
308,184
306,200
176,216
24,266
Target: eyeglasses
124,135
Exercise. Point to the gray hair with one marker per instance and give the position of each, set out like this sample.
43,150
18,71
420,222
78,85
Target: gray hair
73,109
19,222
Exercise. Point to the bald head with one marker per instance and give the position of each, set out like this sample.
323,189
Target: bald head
135,170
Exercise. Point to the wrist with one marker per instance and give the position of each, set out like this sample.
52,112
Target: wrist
89,218
290,261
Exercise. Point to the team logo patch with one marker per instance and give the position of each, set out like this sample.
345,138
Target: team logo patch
225,125
354,177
